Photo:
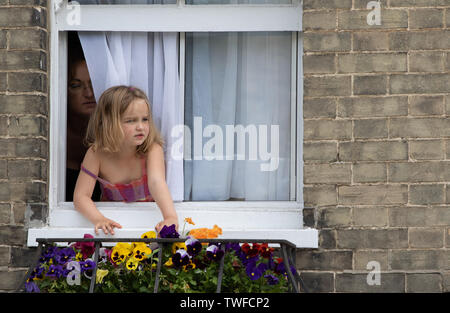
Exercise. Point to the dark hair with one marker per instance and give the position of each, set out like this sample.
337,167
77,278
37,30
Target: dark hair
75,52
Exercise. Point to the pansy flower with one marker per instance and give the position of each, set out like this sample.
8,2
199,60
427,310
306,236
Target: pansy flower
132,264
193,246
265,251
38,273
64,255
141,251
87,248
189,220
55,271
177,246
169,232
250,251
100,275
180,258
214,253
255,272
31,287
148,235
271,279
87,265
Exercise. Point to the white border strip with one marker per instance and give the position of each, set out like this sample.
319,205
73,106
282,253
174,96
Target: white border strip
173,18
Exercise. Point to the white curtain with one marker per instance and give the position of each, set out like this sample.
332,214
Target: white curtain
238,79
148,61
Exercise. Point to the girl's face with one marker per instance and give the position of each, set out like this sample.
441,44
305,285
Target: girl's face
135,123
80,94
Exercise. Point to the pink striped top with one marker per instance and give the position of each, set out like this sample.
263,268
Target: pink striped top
135,191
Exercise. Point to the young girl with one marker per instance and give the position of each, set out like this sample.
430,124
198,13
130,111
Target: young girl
126,156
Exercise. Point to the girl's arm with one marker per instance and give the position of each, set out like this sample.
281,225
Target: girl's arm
83,193
158,186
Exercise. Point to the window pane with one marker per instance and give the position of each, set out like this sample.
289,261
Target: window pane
238,2
85,2
237,111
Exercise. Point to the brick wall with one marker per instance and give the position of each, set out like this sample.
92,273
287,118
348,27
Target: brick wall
376,146
23,131
376,142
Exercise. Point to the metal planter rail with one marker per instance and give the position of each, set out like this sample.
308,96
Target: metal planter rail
287,250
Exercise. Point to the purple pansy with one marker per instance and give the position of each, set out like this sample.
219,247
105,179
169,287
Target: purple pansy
193,246
271,279
87,265
31,287
64,255
169,232
55,271
213,252
255,272
180,258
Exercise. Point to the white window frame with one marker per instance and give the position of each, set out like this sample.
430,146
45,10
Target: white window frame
238,219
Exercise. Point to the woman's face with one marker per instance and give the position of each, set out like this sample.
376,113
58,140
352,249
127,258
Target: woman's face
80,93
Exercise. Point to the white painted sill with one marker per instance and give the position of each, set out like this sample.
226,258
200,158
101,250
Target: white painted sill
238,220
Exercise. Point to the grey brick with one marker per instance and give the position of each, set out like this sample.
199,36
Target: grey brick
357,19
28,39
324,260
320,151
327,86
419,40
426,18
369,172
370,41
327,4
419,260
22,60
429,61
424,283
23,104
426,237
327,129
372,62
320,195
363,257
370,85
370,128
330,41
17,17
373,151
319,107
372,238
327,173
318,282
427,105
373,194
27,82
319,63
334,217
419,3
319,20
419,128
373,106
27,126
10,279
414,216
427,194
351,282
426,149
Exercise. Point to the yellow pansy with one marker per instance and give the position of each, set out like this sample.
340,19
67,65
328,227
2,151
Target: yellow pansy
177,246
79,256
132,264
141,251
169,263
100,275
149,234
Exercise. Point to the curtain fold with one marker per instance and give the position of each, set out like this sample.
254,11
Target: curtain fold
238,81
148,61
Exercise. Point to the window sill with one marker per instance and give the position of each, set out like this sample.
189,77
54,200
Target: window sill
302,238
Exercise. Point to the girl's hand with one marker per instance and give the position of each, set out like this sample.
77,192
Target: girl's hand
107,225
168,221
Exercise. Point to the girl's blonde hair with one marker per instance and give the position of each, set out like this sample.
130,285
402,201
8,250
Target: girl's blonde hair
104,131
